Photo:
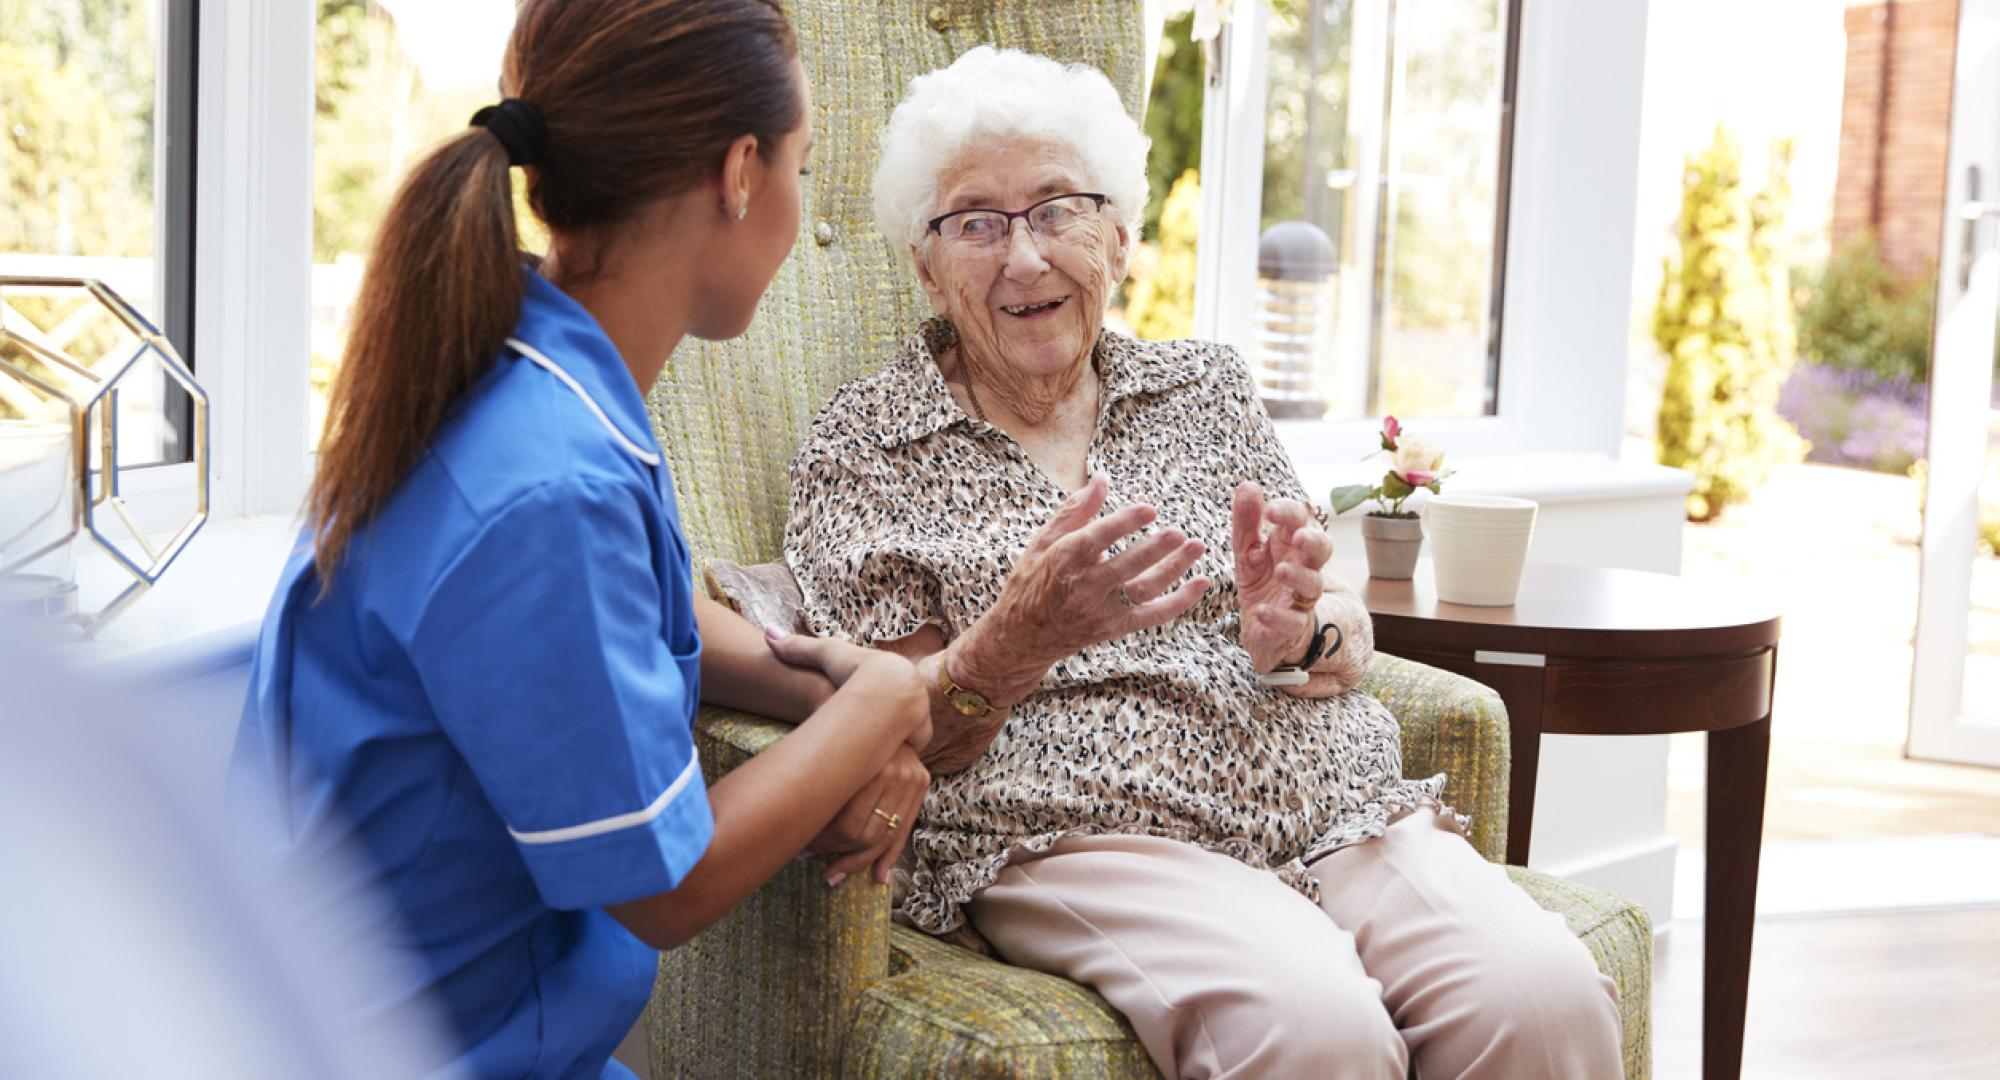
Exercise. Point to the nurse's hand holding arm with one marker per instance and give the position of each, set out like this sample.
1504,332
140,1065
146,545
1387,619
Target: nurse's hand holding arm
738,670
785,680
872,827
768,809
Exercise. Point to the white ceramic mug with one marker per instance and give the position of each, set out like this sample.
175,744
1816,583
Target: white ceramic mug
1479,544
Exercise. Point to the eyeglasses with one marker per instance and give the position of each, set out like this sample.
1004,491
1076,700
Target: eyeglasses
1058,218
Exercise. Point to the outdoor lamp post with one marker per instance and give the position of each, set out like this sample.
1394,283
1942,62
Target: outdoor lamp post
1292,325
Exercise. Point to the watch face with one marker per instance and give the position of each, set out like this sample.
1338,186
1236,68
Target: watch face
969,702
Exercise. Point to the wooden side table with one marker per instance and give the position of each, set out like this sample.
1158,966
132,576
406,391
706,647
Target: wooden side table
1591,651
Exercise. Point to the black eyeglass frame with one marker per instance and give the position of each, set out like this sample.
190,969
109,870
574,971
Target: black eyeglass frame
936,223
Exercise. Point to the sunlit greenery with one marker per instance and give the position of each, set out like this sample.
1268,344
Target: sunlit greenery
1162,297
76,140
1724,319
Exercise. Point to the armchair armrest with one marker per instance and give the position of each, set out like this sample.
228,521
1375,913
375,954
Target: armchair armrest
1455,726
770,988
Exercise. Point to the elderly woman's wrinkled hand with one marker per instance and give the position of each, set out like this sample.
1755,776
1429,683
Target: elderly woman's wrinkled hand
1278,579
1067,592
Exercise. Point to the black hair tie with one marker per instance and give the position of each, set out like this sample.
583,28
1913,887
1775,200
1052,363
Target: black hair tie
519,127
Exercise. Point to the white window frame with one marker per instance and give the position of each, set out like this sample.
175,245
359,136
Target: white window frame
1570,224
253,264
1568,266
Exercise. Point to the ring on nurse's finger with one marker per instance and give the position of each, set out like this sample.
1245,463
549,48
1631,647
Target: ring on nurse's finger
1302,602
1123,598
895,820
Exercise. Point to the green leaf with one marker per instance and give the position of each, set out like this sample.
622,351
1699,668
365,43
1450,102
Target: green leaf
1347,498
1395,487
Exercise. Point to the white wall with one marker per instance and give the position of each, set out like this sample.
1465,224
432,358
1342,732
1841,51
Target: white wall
1570,229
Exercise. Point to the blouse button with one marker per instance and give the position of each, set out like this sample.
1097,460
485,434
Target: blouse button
938,17
823,234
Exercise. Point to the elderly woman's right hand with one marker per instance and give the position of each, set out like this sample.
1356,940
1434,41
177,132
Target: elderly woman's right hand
1066,592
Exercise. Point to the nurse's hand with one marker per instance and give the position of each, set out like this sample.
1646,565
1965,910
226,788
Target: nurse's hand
897,692
862,834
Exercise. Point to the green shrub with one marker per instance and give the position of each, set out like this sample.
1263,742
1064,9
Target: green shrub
1173,115
1724,319
1160,299
1859,315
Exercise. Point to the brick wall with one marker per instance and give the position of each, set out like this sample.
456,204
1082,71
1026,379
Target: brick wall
1908,140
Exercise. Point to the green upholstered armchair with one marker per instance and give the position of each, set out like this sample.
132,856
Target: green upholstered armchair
803,980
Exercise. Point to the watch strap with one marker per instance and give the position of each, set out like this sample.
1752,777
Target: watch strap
967,701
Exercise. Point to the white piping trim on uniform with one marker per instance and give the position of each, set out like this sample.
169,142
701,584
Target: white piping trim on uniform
555,369
616,821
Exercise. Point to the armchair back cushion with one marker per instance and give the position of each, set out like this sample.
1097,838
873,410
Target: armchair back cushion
731,414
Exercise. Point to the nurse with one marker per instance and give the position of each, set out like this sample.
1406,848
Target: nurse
478,672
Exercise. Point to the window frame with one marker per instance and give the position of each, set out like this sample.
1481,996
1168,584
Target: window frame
248,292
1569,180
1572,178
175,136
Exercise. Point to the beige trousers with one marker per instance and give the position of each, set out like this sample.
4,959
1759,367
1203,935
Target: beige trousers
1420,951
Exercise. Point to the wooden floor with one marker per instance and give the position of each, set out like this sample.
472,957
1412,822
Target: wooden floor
1901,996
1843,791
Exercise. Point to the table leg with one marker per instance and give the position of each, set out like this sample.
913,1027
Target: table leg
1520,689
1738,761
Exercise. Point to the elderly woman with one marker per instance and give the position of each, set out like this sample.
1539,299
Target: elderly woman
1154,774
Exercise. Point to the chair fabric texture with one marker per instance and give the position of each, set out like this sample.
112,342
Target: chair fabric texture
803,980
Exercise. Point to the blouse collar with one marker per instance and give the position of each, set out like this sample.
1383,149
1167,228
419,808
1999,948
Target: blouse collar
1129,367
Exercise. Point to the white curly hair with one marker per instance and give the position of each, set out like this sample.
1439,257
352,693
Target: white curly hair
990,96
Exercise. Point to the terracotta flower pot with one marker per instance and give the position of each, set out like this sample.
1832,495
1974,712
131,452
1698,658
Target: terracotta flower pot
1393,544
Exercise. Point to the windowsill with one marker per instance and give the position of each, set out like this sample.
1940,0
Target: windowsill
204,613
1545,476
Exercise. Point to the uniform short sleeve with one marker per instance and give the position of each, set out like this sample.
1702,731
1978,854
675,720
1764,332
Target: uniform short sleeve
849,546
546,649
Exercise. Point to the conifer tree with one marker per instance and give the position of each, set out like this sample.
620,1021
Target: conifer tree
1724,320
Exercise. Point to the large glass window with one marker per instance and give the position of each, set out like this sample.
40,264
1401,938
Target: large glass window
1385,149
393,78
96,182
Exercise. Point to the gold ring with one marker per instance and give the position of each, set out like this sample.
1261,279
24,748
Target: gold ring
1302,602
895,820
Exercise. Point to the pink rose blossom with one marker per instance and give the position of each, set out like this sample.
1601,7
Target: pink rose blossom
1390,429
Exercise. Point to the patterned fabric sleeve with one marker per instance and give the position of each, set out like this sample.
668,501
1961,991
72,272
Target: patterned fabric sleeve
1266,462
860,579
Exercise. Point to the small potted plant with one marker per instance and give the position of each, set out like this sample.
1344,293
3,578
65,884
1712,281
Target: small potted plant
1393,534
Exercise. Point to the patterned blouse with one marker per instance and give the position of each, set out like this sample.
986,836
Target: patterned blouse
907,511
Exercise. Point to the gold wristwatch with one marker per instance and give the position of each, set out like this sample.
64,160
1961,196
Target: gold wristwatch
968,702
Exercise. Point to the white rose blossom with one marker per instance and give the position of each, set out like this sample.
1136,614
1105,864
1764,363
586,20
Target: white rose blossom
1418,460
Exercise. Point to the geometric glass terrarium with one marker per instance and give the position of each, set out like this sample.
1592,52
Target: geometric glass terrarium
82,380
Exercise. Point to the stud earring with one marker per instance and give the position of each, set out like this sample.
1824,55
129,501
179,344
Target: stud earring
743,213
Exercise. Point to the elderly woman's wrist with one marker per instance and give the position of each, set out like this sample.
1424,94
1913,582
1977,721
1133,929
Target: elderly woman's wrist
984,661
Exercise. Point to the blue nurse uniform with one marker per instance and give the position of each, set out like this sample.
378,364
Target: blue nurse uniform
491,707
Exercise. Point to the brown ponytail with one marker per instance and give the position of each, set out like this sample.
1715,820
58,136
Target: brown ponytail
640,99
